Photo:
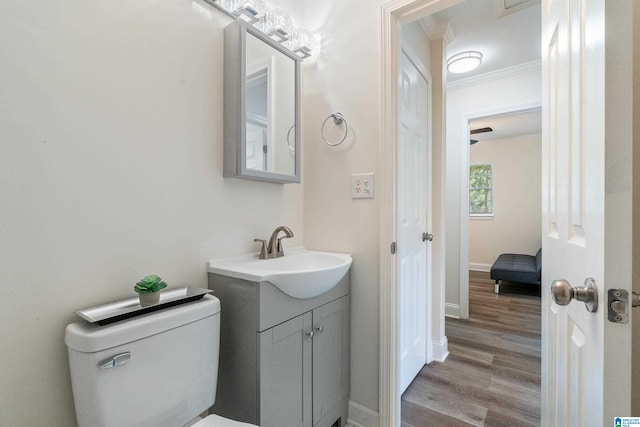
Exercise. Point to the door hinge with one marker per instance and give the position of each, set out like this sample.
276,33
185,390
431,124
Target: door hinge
393,248
618,304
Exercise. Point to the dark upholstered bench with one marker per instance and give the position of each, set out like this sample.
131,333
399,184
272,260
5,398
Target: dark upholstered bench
517,268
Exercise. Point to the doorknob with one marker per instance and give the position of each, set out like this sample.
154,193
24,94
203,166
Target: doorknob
562,293
427,236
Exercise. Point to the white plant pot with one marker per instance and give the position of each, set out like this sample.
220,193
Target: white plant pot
149,299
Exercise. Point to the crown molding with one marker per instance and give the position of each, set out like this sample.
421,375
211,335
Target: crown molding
496,75
435,30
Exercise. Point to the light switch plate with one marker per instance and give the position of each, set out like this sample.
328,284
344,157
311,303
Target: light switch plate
363,186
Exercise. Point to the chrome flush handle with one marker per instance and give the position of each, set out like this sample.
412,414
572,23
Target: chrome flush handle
115,361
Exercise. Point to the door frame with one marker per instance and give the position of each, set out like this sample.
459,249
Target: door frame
393,14
465,161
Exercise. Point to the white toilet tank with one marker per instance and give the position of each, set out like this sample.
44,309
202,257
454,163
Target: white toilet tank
166,367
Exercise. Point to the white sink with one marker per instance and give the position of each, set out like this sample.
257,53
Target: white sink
300,273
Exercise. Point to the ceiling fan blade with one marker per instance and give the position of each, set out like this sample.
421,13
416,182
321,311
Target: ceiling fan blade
481,130
472,141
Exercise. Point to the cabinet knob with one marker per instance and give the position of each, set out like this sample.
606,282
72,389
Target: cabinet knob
319,329
310,334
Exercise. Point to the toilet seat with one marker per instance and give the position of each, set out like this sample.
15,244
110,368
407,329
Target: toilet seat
218,421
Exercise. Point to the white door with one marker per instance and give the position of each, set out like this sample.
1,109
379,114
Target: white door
412,219
586,359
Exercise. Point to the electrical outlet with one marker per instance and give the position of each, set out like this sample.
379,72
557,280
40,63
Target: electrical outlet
363,186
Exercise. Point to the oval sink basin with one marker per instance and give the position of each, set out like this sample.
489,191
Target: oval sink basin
300,273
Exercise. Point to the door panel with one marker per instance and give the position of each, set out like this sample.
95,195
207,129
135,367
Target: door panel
412,219
586,362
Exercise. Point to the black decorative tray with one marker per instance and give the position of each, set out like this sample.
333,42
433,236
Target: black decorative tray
120,310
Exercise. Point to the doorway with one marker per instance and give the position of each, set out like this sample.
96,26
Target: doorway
394,15
510,222
618,86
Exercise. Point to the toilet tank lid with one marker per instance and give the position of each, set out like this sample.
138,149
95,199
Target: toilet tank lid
88,338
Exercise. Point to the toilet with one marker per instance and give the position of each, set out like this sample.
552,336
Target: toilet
155,370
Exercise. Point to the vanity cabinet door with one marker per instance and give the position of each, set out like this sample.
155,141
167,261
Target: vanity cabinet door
285,373
330,359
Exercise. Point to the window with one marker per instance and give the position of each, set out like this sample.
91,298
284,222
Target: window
480,190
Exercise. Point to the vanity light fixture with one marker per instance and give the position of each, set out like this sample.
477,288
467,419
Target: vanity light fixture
247,10
300,43
464,62
277,25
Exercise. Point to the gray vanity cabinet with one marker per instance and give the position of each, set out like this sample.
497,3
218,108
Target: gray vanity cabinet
330,358
285,373
283,361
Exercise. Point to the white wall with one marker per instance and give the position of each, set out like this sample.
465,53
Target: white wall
475,98
516,225
111,169
415,39
345,77
438,123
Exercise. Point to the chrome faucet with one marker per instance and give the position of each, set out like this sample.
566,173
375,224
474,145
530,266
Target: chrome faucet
274,247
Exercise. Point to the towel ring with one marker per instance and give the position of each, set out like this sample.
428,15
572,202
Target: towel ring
338,119
292,148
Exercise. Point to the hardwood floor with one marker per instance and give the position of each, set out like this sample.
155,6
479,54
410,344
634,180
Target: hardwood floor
492,374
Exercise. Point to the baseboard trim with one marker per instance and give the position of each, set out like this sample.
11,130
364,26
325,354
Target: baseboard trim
361,416
479,267
440,350
452,310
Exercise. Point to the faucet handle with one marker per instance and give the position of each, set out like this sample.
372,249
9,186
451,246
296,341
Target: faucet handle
263,249
279,248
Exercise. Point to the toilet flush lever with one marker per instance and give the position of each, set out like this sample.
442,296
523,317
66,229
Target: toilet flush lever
117,360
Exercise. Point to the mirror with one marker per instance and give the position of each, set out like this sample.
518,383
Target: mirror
261,104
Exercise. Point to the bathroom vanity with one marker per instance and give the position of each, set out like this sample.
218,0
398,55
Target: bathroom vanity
284,361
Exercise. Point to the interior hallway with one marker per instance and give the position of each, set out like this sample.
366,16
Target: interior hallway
492,374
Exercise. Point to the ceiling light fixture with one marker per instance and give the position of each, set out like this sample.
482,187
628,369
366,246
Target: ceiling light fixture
464,62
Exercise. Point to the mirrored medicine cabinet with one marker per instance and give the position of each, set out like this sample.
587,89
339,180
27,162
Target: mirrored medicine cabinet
261,107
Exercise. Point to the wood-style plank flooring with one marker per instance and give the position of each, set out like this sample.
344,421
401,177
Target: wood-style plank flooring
492,374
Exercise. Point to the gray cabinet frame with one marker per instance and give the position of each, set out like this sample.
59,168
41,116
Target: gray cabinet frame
235,109
270,369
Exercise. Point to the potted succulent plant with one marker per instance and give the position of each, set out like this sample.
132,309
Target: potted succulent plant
148,290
